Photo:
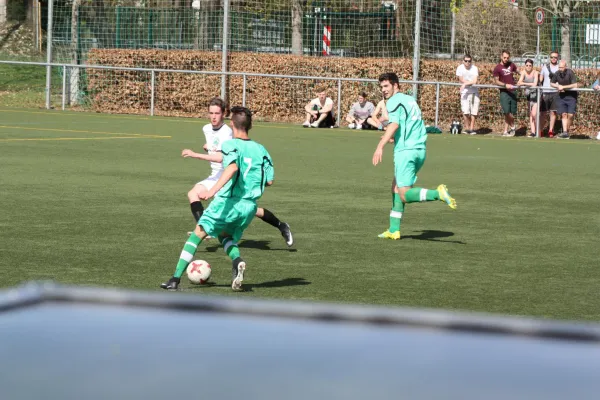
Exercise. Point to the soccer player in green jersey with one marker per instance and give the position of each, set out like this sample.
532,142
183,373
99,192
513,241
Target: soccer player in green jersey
248,170
408,131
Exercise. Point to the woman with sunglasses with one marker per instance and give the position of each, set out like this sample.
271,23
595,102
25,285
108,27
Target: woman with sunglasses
530,78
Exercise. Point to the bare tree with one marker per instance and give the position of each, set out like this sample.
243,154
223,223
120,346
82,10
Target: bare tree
562,9
481,23
74,75
2,11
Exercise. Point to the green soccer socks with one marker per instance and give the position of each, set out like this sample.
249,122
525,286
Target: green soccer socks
415,195
189,249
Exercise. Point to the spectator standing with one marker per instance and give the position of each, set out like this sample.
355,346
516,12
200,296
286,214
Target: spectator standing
548,104
319,111
530,78
504,77
468,74
565,80
360,112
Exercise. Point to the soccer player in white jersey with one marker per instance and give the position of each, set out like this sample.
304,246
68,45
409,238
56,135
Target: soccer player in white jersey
216,133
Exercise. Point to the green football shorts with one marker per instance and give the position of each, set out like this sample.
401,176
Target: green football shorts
228,217
406,165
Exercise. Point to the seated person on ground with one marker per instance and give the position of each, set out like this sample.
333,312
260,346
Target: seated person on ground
319,111
360,112
380,122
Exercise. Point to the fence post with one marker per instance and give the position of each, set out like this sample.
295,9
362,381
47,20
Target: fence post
437,103
152,80
49,52
224,49
339,98
417,49
64,86
150,14
118,28
244,91
452,35
538,134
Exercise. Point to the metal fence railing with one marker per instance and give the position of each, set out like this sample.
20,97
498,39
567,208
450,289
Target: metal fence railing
75,87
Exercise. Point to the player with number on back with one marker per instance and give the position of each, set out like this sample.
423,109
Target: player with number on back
407,128
217,133
248,170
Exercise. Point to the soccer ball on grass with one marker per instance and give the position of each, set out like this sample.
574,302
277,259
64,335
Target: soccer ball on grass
198,272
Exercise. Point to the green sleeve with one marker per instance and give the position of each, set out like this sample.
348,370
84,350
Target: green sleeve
230,153
268,167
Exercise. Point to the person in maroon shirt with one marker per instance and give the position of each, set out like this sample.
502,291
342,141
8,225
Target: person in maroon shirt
504,77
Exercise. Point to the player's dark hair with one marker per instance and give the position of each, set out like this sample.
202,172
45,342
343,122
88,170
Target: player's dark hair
529,61
468,56
506,52
241,118
391,77
217,101
363,95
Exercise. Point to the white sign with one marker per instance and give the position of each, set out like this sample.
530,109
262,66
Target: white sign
592,34
539,16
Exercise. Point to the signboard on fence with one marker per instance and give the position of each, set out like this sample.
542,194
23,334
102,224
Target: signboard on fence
592,34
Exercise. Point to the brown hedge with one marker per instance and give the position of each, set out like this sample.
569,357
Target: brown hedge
283,100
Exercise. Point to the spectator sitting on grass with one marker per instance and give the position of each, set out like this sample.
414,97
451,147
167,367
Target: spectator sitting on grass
360,112
380,122
319,111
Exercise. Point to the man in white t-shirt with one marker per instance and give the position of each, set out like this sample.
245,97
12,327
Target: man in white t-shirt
216,133
319,111
467,75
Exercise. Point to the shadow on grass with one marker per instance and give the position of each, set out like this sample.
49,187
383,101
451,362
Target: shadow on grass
484,131
248,287
251,244
433,236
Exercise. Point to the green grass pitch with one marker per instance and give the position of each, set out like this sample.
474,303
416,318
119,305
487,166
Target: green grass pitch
101,200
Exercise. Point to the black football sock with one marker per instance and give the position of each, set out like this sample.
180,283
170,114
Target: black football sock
197,209
270,219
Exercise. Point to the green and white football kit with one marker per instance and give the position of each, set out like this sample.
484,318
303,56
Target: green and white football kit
234,206
410,152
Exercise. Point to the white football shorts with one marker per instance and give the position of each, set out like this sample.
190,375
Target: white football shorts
209,182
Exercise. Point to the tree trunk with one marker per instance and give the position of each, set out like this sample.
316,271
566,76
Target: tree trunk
565,33
297,15
73,86
203,20
2,11
30,13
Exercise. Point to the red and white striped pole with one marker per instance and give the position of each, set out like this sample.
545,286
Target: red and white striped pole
326,40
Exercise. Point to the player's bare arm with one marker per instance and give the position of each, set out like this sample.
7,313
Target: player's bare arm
216,157
225,177
389,132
